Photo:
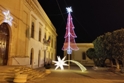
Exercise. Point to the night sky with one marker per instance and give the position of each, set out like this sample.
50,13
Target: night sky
91,18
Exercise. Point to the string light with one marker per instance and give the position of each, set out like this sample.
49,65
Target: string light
8,19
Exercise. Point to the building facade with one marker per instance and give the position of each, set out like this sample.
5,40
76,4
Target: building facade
22,42
80,55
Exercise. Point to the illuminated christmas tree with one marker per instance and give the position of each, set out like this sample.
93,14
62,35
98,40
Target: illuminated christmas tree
70,35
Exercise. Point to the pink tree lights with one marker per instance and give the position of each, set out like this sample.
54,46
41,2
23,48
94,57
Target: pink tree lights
70,35
69,44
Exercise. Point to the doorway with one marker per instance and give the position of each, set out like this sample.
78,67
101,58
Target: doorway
31,57
4,43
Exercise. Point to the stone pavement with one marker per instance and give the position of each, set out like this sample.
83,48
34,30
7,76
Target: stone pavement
8,73
74,75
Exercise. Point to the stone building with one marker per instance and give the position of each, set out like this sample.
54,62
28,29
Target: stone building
80,55
21,41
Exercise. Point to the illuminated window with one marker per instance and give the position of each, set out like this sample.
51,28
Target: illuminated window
32,30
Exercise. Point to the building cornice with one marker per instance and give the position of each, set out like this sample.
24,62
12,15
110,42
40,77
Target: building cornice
85,44
36,7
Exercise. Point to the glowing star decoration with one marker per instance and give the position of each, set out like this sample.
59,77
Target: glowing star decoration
8,19
60,63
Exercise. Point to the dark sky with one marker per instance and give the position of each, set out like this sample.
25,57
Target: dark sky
91,18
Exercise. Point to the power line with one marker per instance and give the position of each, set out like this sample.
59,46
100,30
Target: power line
56,14
73,16
65,3
60,11
81,26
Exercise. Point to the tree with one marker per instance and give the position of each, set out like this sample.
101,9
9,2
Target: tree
118,46
110,46
91,55
100,50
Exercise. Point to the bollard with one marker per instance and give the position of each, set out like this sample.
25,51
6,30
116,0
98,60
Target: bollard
20,78
48,71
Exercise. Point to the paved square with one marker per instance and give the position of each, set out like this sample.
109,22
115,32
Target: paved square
74,75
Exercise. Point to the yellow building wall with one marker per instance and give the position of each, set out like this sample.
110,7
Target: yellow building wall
78,55
24,12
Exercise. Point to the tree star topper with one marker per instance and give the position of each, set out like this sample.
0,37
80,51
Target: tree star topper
60,63
69,9
8,19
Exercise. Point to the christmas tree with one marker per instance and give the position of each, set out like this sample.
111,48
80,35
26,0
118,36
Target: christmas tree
70,35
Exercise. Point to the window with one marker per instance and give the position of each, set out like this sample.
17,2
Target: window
51,42
83,56
32,30
44,39
39,34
